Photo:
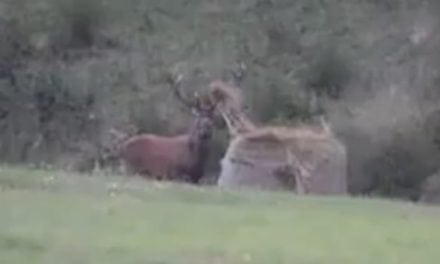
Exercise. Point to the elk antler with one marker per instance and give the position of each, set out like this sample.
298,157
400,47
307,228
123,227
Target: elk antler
175,84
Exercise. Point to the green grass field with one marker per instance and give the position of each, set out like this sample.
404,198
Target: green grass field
55,217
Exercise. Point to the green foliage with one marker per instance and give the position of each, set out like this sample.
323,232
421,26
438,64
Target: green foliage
71,70
51,217
80,21
329,74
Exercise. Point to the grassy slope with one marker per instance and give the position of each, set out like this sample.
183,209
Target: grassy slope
52,218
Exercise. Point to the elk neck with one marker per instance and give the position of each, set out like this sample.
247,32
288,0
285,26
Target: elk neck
199,135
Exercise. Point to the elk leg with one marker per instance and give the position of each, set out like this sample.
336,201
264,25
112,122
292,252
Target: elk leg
196,173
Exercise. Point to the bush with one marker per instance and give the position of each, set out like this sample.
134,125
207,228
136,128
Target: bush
329,74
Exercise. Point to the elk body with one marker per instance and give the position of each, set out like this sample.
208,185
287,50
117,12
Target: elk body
172,158
168,158
305,159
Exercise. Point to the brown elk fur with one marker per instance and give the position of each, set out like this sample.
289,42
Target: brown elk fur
168,158
160,157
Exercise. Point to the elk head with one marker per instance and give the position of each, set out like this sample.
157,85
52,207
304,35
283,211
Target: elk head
202,107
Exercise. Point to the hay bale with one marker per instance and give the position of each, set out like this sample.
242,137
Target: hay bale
260,159
431,190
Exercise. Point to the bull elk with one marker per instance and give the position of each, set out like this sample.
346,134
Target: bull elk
170,158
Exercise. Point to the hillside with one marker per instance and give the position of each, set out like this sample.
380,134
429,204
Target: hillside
72,70
54,217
